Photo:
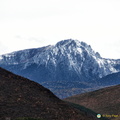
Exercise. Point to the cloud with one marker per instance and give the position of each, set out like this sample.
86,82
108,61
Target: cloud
28,23
3,48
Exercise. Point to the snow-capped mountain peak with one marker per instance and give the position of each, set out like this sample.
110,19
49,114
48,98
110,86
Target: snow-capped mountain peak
68,67
75,55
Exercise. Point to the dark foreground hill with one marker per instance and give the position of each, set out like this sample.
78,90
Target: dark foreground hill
20,97
105,101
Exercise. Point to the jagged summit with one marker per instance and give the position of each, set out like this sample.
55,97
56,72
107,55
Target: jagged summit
73,43
69,42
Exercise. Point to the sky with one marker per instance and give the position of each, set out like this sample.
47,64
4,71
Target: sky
36,23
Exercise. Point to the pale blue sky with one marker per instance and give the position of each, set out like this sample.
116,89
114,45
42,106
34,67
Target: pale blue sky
35,23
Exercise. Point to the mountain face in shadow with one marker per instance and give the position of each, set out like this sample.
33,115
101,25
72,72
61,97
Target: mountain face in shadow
110,80
20,97
105,101
67,68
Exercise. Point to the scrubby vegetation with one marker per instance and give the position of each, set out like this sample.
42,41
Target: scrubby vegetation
80,107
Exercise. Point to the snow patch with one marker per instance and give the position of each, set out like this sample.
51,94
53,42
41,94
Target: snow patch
1,57
79,50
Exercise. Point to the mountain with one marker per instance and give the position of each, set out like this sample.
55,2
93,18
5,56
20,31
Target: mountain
105,101
20,97
67,68
109,80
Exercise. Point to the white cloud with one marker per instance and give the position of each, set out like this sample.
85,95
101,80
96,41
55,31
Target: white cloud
39,22
3,48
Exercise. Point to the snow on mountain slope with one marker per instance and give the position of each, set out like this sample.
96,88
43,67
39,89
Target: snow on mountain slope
78,56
